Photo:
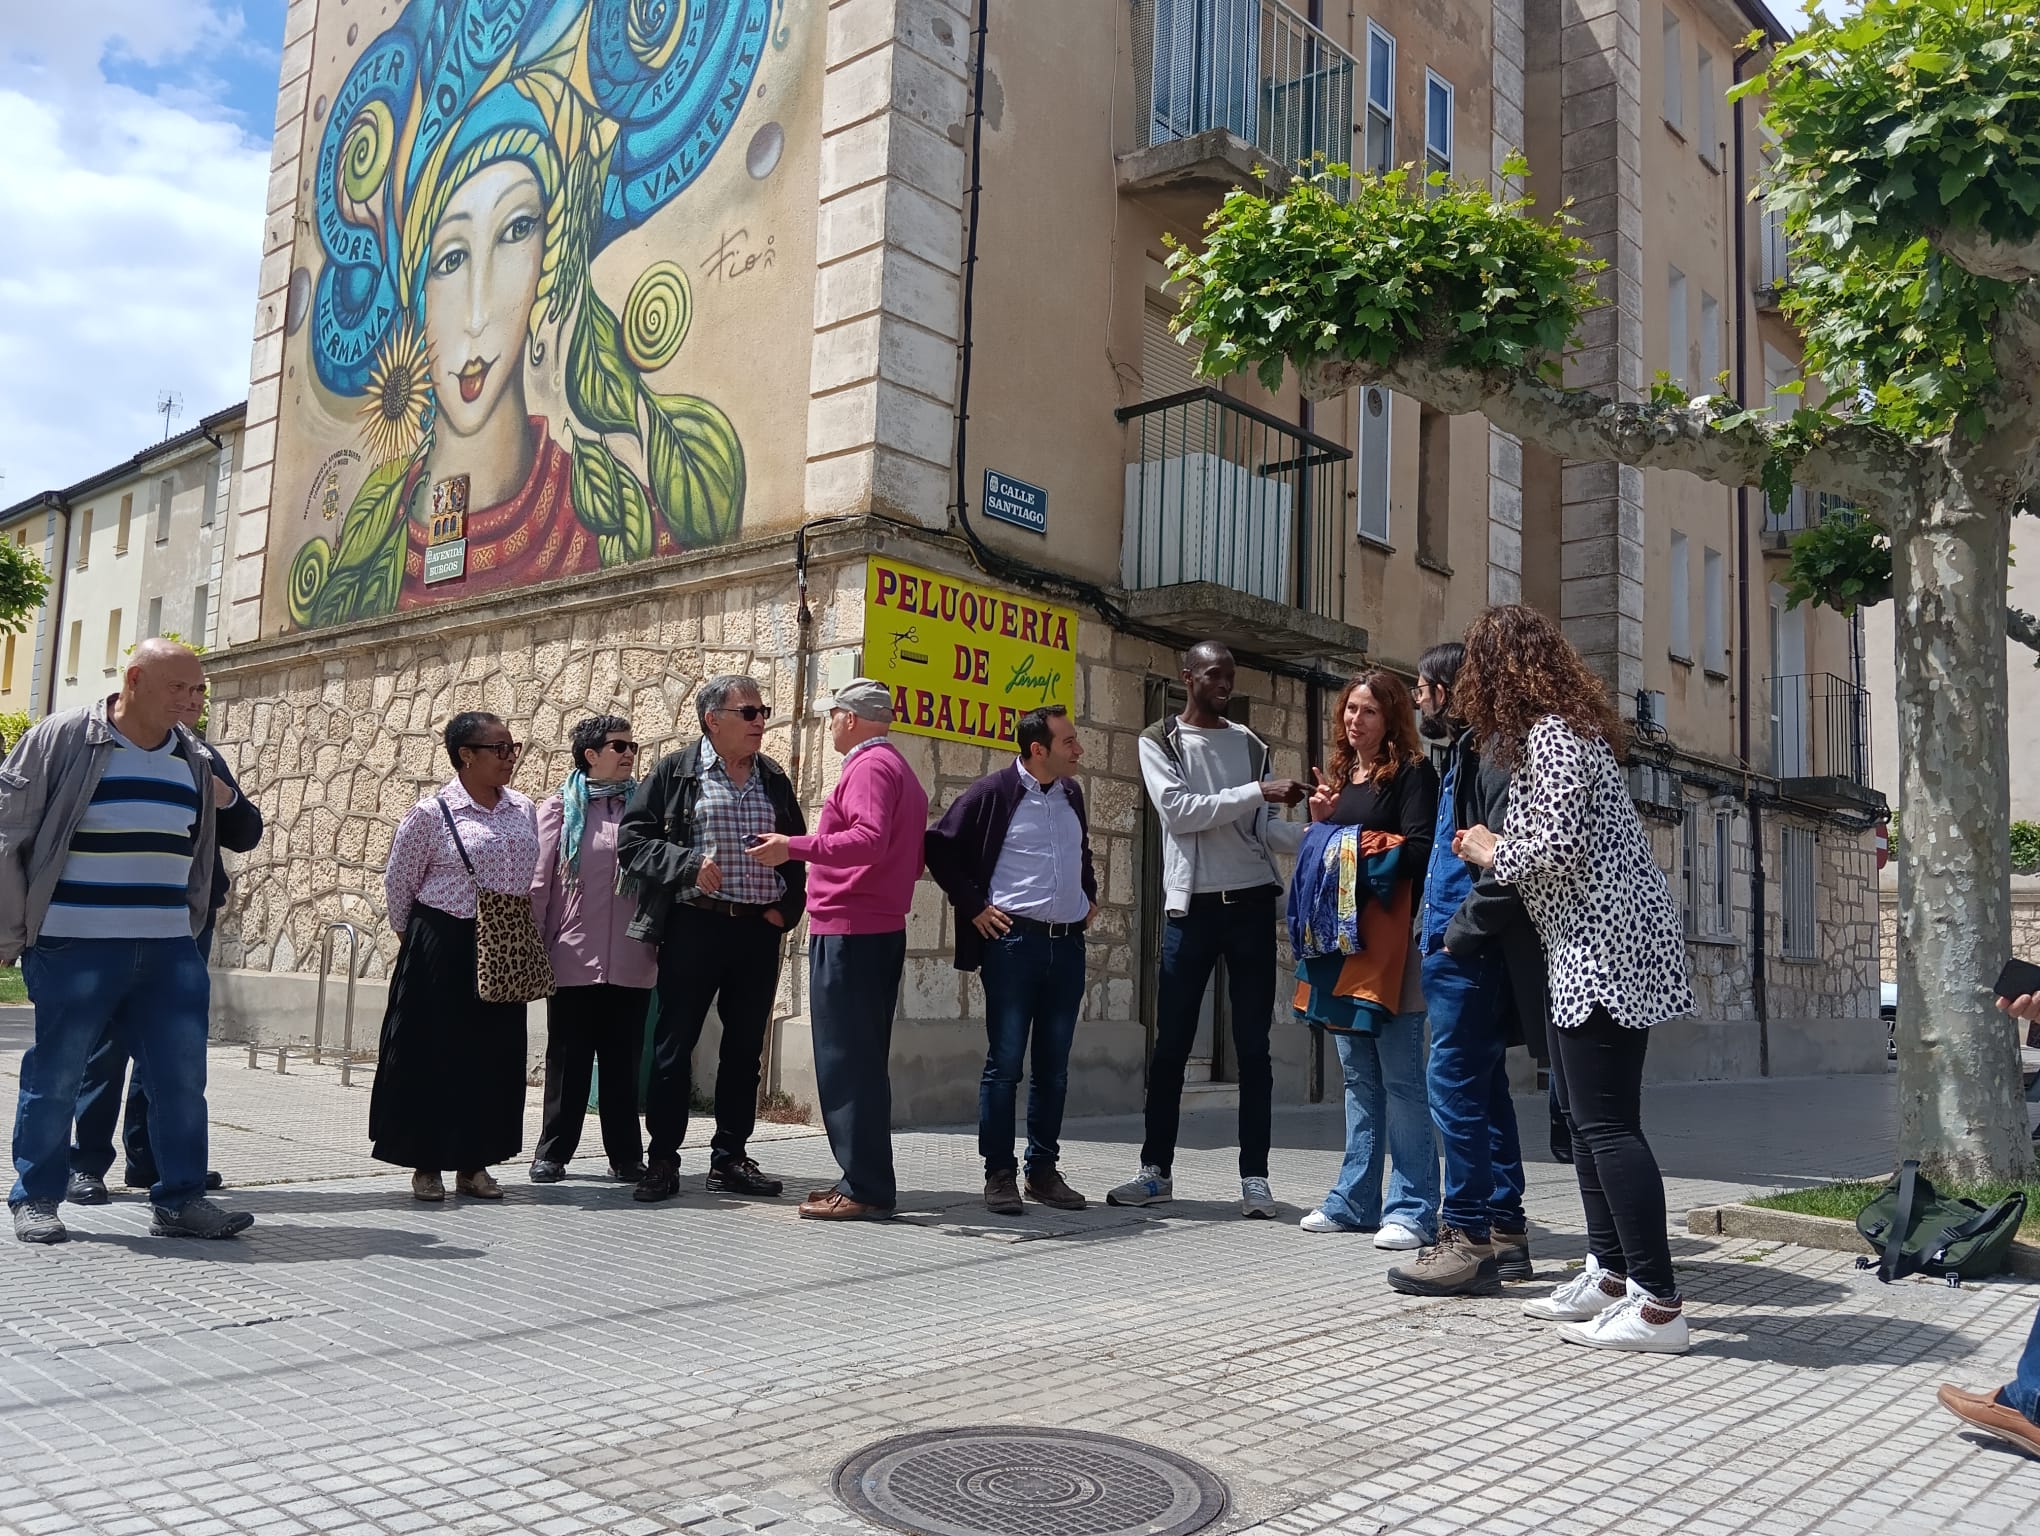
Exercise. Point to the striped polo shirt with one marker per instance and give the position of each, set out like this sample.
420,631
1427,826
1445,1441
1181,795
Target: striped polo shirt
128,870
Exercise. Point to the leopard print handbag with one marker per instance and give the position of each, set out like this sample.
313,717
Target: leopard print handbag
510,959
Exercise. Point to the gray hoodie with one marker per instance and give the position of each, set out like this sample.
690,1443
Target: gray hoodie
1190,812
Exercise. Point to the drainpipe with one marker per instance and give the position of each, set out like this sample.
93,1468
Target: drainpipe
1759,1003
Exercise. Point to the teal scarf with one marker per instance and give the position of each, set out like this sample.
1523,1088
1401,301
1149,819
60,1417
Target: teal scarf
574,797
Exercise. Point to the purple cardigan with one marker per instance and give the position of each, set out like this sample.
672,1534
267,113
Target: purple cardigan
963,849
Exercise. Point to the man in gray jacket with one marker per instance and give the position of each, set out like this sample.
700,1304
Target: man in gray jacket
1209,781
106,866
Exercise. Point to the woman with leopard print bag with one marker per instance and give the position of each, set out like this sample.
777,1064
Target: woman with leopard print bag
1573,847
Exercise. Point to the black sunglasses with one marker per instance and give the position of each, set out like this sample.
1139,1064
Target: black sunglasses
620,746
749,712
503,749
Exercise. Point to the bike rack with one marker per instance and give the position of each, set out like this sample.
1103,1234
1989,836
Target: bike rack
354,937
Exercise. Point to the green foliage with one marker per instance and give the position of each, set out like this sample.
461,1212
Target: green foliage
1305,276
1905,117
363,577
1842,562
23,584
14,725
601,387
697,468
612,503
2025,846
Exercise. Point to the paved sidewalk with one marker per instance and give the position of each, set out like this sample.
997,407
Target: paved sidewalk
571,1362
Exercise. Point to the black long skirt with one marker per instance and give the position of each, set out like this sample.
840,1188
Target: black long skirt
449,1082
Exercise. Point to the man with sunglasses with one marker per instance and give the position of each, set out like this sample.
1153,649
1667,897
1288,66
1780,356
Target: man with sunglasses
719,919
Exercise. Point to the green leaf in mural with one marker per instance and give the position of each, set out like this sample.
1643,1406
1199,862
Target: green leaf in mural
610,501
697,469
601,389
362,578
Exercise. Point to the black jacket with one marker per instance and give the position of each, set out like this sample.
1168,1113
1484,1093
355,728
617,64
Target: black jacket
962,850
655,840
239,829
1493,913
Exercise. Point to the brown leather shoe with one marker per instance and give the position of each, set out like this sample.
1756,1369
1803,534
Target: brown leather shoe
834,1205
1002,1194
427,1186
1049,1189
1992,1417
478,1184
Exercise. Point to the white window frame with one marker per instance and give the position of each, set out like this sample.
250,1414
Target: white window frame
1710,342
1360,469
1721,905
1680,580
1714,622
1799,876
1437,156
1678,332
1708,102
1382,110
1675,74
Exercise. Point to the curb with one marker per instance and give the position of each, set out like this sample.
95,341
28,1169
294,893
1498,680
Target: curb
1760,1222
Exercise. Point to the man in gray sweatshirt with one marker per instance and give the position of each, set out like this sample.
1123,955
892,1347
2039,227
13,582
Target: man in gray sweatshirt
1209,782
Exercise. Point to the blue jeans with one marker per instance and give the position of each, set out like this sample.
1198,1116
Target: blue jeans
1034,986
1469,1090
151,994
1385,1110
1243,932
2022,1392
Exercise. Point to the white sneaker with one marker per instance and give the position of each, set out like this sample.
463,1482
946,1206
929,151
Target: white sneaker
1581,1298
1318,1221
1257,1199
1636,1322
1397,1236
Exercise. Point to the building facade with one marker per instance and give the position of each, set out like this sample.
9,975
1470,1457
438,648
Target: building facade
811,339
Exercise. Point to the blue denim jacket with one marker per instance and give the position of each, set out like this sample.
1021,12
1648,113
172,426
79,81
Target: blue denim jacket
1449,880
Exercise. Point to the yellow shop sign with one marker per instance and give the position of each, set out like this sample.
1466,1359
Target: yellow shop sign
964,661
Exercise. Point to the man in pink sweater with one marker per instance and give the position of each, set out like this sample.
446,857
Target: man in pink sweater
863,859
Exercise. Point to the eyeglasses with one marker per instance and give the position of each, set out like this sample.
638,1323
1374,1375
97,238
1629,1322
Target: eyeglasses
625,748
749,712
504,750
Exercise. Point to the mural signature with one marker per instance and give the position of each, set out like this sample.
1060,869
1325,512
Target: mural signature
1025,678
730,260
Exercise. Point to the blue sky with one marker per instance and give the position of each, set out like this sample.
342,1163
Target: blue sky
138,136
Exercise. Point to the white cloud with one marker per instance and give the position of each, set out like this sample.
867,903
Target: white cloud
135,221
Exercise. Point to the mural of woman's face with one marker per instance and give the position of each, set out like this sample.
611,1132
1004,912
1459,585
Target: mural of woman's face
479,288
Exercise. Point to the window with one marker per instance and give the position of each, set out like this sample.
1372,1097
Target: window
201,602
1681,582
1675,74
1707,851
84,538
1689,867
163,491
1714,600
1710,146
1677,355
155,617
1434,488
1437,127
1380,100
71,649
1777,263
1167,365
1376,412
1720,914
7,670
127,516
1797,939
113,642
212,493
1778,373
1710,343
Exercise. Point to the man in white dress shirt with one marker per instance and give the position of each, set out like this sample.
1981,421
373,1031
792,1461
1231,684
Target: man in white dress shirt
1013,854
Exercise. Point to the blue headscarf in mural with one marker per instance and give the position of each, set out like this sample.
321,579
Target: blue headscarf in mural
615,107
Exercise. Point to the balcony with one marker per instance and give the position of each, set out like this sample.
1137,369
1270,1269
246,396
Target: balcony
1806,509
1820,742
1776,256
1223,86
1234,529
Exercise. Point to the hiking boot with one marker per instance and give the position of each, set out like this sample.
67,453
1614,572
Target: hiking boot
545,1171
199,1217
1512,1255
1453,1266
1045,1186
661,1181
742,1176
37,1221
87,1189
1257,1199
1588,1294
1150,1186
1002,1193
1639,1322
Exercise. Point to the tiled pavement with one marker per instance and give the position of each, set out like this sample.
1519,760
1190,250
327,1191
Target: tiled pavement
570,1362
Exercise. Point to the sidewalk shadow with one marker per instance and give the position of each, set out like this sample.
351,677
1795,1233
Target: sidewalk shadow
962,1215
284,1244
1890,1341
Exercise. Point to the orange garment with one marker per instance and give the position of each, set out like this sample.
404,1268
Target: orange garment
1375,973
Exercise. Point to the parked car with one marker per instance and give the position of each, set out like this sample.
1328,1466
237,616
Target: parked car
1887,1009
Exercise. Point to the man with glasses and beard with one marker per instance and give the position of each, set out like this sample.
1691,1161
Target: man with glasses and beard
719,919
1484,990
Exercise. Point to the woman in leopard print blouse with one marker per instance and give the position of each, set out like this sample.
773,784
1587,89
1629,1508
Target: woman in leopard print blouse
1573,847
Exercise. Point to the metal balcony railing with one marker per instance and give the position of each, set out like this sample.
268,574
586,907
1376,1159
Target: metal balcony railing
1820,728
1252,67
1218,491
1806,509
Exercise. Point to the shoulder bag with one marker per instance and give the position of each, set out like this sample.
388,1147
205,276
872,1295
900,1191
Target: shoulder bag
510,959
1918,1230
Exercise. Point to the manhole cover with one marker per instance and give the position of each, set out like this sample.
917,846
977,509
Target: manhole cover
1003,1481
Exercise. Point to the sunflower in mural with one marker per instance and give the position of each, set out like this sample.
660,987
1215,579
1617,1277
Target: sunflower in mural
477,157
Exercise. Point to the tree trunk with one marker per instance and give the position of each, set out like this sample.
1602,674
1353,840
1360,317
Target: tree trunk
1961,1110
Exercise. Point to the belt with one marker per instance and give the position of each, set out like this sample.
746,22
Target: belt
1232,898
727,908
1046,930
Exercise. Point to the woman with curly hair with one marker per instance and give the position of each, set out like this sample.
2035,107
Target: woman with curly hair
1382,781
1573,847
